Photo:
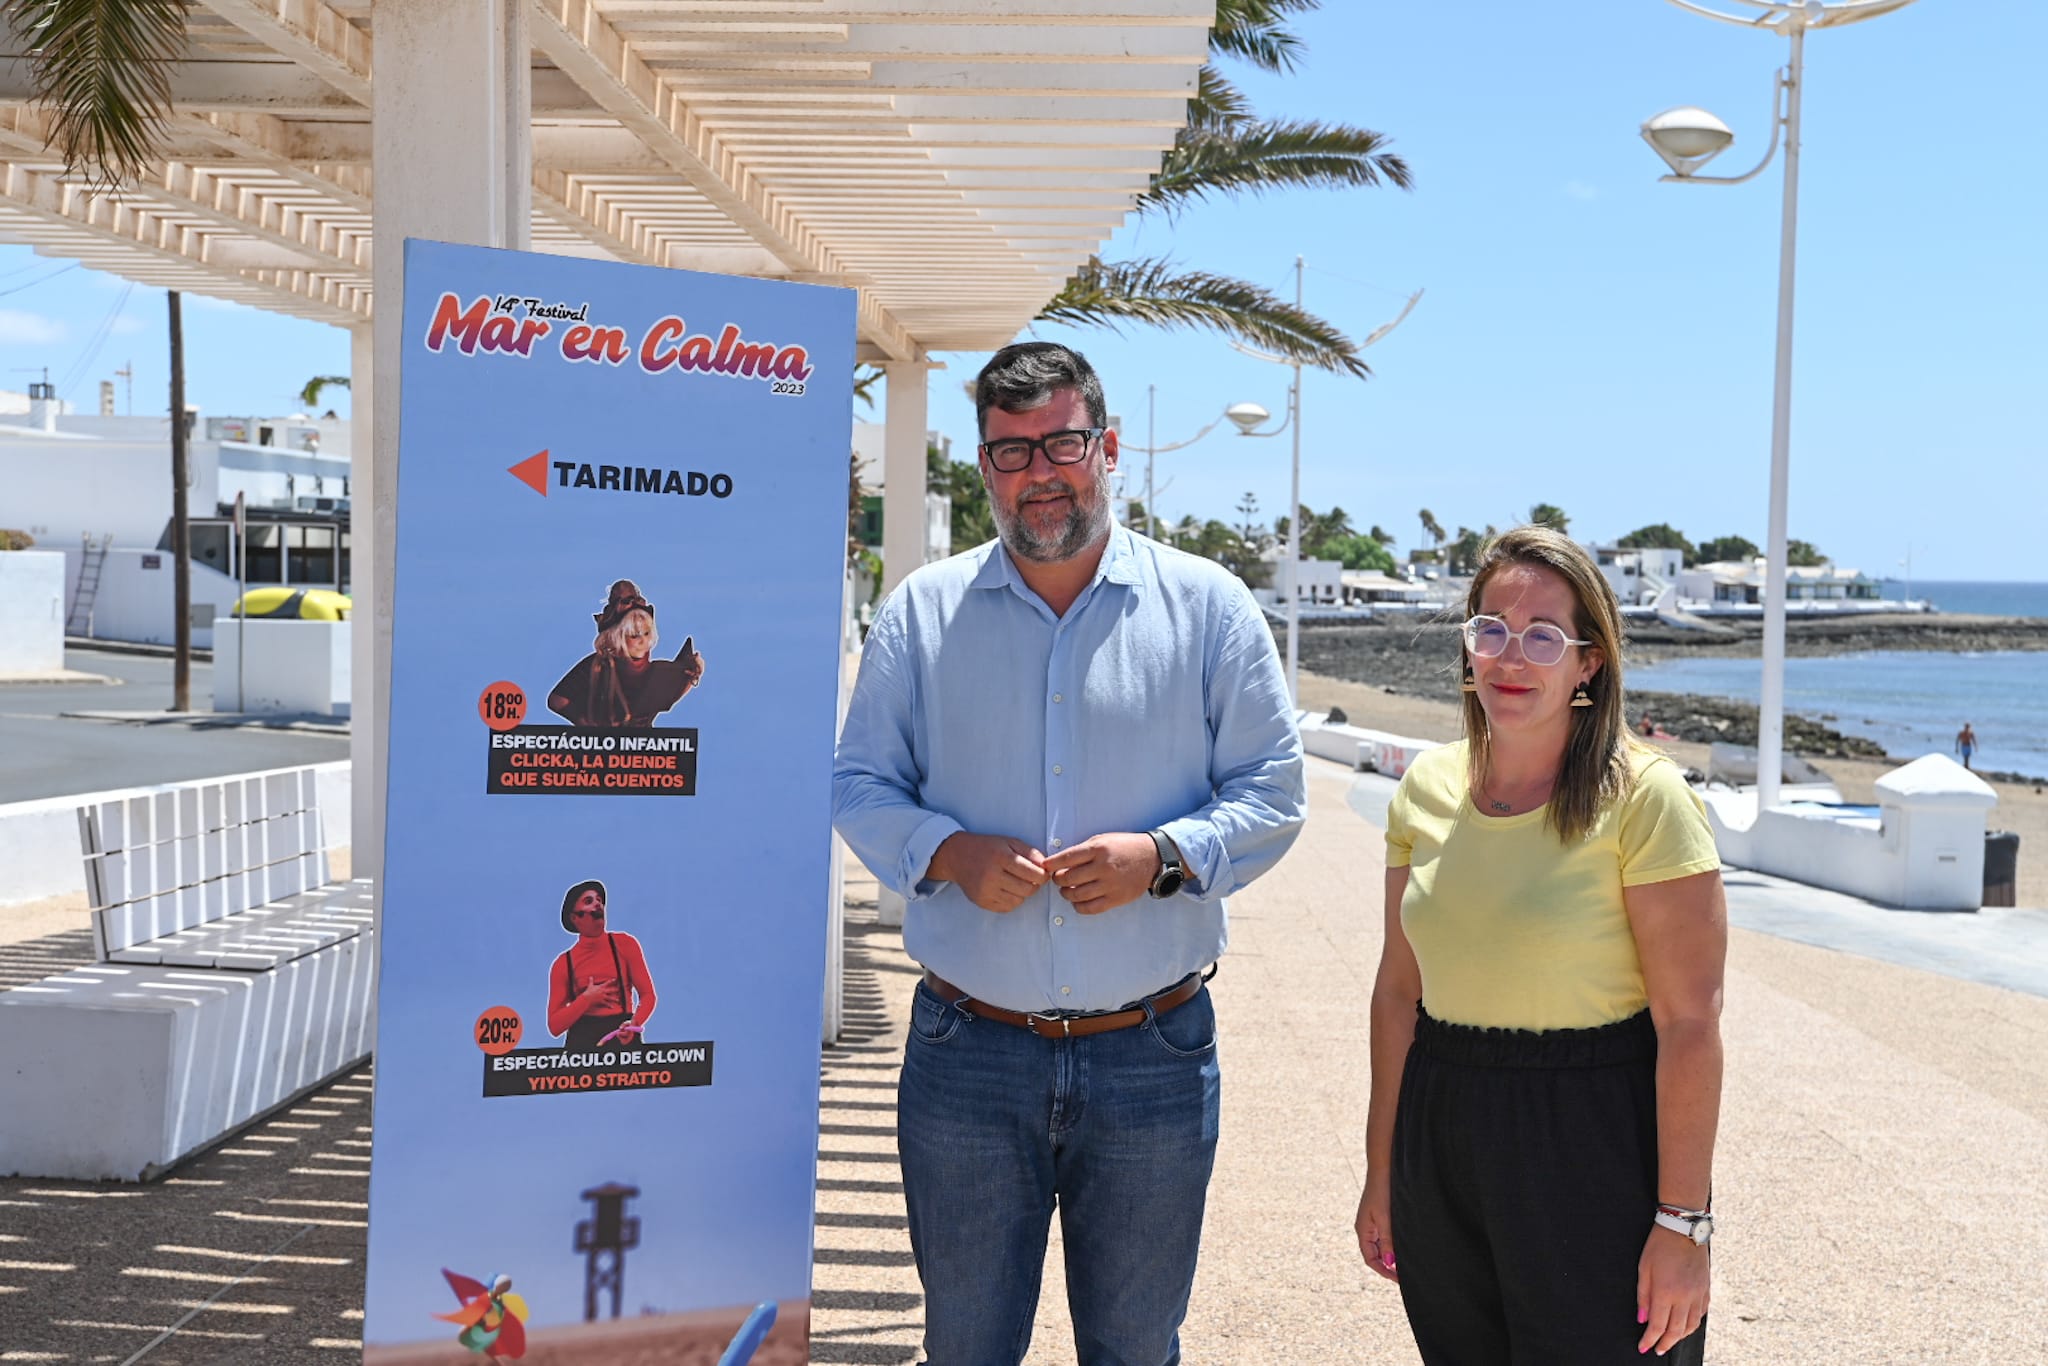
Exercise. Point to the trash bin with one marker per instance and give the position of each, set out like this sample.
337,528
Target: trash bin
2001,867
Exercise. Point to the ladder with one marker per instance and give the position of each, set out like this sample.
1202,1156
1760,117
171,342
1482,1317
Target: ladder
93,560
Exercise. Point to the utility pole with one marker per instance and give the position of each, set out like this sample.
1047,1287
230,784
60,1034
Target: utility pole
181,527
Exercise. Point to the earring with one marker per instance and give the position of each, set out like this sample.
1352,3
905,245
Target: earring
1582,698
1470,684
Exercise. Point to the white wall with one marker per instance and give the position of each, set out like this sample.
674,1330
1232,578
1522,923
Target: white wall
60,488
135,603
294,668
31,612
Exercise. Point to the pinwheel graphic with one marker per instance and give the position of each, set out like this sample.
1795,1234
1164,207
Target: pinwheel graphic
493,1319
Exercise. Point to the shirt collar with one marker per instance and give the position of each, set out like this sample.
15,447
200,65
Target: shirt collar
1120,564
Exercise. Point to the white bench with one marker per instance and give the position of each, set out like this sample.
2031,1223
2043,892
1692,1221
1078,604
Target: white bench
232,975
1375,751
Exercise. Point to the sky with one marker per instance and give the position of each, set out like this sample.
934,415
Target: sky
1588,336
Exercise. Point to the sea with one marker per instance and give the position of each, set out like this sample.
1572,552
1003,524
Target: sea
1910,701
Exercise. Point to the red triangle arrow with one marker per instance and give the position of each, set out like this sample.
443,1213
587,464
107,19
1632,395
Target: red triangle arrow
533,472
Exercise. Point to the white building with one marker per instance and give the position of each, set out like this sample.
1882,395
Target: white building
98,489
1736,584
1640,576
868,446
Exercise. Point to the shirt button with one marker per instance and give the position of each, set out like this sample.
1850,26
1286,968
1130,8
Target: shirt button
1058,697
1059,920
1066,991
1057,769
1057,843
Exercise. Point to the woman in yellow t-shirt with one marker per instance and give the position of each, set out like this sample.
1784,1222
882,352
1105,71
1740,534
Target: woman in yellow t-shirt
1546,1047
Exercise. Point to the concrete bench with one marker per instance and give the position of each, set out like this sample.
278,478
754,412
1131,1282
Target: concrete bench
1375,751
231,976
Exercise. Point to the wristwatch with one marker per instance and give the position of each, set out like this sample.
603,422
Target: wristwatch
1173,874
1696,1224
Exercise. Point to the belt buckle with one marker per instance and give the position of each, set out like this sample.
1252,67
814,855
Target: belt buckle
1065,1022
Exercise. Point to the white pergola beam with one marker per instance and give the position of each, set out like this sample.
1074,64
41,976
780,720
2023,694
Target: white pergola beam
311,33
585,46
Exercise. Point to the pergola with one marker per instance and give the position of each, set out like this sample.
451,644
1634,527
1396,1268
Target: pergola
952,160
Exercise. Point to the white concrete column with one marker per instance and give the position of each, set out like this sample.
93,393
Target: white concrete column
452,151
903,470
366,705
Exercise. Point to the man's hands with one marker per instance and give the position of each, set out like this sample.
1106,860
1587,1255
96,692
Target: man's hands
1106,872
998,873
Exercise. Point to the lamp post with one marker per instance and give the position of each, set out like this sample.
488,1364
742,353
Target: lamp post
1248,417
1151,449
1687,138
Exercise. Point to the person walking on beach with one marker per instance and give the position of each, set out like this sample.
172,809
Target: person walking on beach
1546,1048
1065,748
1966,743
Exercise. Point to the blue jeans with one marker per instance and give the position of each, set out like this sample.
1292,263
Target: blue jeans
995,1125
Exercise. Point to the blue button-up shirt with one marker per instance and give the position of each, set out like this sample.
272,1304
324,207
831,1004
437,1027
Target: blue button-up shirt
1156,702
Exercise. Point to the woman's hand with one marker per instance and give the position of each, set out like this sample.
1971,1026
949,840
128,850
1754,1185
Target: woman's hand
1673,1282
1375,1227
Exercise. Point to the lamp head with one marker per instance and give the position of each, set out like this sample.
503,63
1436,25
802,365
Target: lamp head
1687,138
1247,417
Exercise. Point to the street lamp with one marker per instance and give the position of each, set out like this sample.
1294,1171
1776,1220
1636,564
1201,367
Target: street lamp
1151,426
1687,138
1248,417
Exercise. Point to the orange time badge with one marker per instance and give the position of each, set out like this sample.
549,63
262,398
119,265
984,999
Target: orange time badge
502,706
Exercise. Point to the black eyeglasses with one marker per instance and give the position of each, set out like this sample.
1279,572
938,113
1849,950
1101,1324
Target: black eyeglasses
1012,455
580,914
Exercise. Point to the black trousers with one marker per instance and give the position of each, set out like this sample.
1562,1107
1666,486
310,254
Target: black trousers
1525,1175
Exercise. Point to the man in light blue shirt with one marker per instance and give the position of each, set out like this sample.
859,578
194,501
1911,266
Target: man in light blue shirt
1065,749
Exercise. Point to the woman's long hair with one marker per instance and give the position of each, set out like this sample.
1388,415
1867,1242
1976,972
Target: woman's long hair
1598,769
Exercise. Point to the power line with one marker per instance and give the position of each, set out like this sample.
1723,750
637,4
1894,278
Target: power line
92,350
33,283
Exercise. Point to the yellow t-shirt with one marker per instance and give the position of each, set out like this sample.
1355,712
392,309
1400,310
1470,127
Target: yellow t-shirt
1515,930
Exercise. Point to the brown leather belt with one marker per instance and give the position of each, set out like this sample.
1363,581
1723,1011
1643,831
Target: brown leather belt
1068,1026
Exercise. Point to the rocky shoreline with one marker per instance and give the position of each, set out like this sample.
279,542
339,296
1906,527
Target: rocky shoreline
1420,658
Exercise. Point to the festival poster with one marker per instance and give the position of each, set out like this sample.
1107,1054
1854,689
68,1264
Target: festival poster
620,550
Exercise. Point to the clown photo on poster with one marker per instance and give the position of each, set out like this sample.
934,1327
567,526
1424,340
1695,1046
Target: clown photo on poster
618,574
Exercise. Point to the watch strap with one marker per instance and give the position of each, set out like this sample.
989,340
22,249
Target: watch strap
1685,1223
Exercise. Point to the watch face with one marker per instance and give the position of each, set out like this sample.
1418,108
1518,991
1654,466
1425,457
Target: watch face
1168,882
1702,1229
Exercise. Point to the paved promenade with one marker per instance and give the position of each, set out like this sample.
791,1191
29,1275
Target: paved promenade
1881,1177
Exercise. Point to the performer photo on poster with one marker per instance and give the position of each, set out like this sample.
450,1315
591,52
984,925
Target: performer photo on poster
600,996
599,990
613,700
620,683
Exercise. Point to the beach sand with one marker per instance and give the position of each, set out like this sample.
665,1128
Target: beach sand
697,1339
2022,807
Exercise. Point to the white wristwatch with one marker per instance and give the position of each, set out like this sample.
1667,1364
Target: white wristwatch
1696,1224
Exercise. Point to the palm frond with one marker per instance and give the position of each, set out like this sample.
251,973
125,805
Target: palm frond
865,378
101,68
1256,31
1217,102
1156,293
1273,155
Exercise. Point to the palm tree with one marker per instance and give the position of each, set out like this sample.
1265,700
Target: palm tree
1431,527
1550,515
1226,151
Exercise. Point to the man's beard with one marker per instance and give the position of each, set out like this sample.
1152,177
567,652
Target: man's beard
1086,522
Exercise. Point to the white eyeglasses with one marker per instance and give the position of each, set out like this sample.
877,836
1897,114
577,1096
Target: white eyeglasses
1542,644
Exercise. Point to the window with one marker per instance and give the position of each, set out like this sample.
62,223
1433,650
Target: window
310,554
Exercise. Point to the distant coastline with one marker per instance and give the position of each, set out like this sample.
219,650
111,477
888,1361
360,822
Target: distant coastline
1419,658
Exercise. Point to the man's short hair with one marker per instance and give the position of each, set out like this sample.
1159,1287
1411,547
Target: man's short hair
1024,376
